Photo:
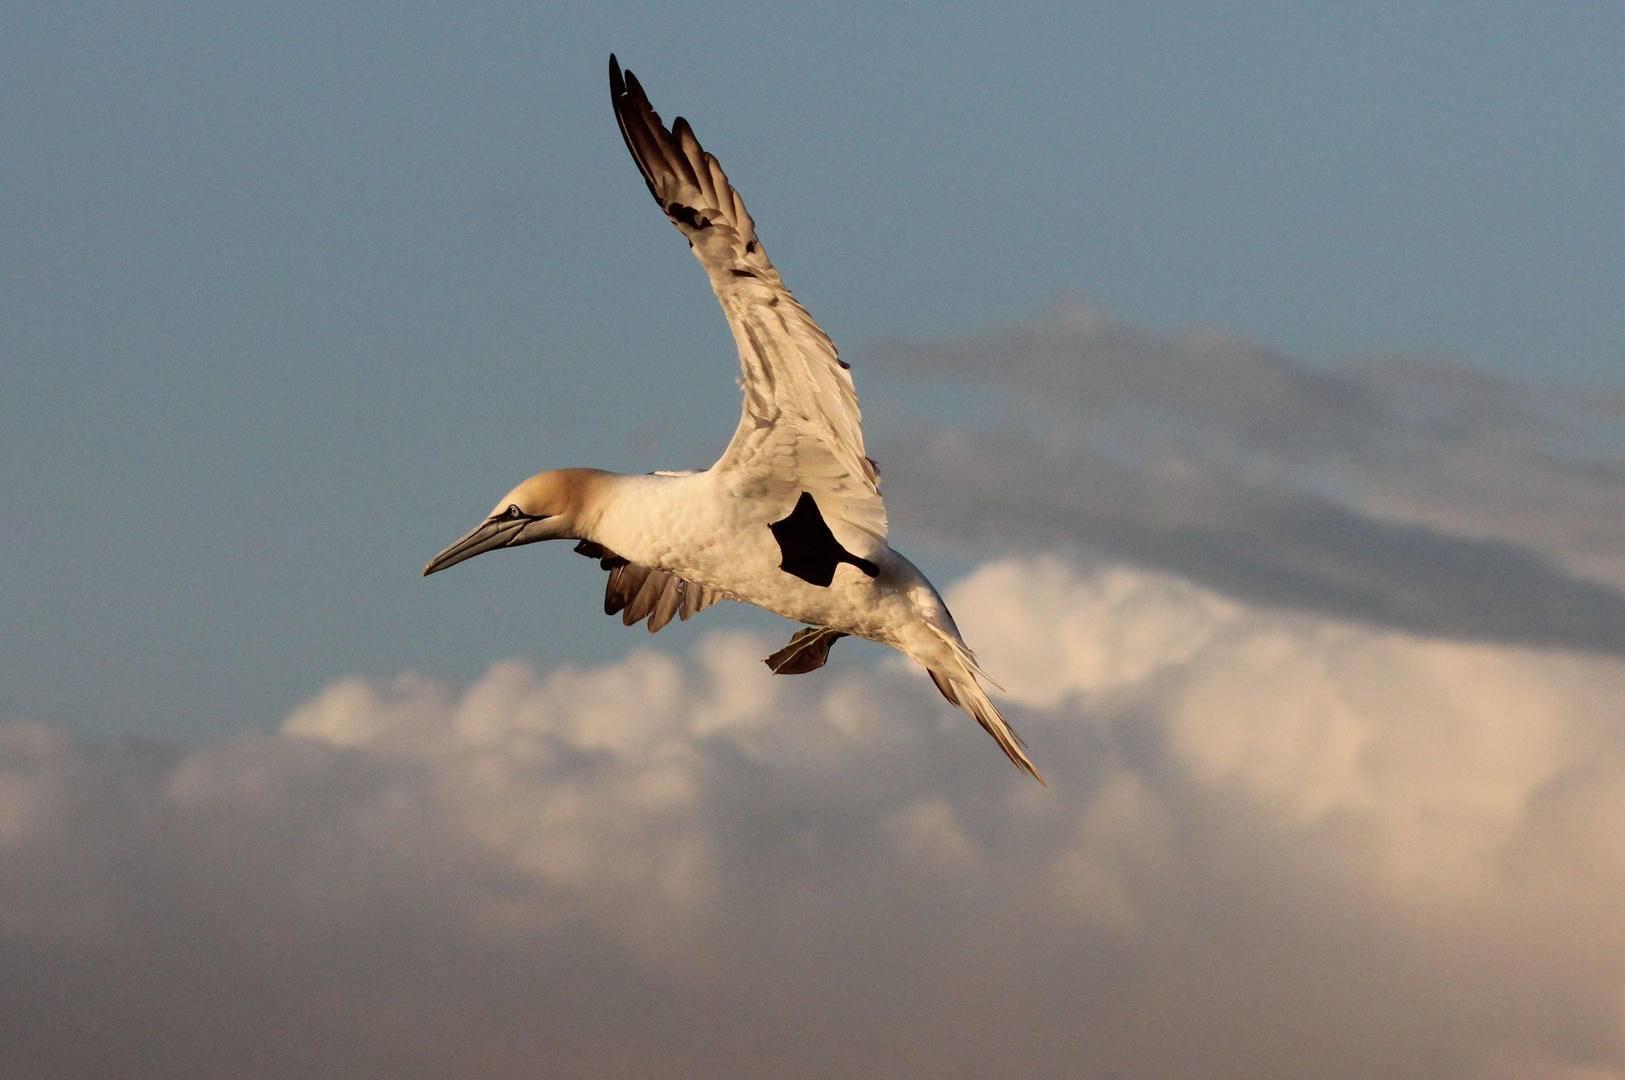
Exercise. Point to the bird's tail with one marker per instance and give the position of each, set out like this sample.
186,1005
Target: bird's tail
958,684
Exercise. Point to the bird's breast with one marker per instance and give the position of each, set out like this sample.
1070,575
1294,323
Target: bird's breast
695,528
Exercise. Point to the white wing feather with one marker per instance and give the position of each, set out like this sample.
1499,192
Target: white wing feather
800,428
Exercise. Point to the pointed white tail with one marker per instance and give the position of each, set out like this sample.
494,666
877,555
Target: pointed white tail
961,688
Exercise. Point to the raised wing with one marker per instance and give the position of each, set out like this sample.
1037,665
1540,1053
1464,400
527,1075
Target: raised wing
800,429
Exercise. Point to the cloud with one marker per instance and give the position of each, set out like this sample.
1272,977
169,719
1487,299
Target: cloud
1275,844
1264,542
1407,492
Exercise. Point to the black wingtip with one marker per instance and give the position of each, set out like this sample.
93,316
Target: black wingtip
623,84
634,90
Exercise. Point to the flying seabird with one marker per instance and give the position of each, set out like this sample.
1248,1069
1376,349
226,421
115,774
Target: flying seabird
790,517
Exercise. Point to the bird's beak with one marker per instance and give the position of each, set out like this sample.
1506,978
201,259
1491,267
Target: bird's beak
494,532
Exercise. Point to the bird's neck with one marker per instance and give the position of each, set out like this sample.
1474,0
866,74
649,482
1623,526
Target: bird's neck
630,514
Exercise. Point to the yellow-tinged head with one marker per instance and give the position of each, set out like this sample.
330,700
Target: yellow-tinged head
552,505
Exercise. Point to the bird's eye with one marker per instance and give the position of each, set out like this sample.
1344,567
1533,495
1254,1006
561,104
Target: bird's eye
515,513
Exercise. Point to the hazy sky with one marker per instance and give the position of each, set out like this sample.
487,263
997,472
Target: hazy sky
293,292
1251,377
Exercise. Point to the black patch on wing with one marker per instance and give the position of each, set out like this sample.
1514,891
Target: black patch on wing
807,651
810,551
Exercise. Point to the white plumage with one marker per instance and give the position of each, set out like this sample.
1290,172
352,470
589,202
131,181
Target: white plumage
790,517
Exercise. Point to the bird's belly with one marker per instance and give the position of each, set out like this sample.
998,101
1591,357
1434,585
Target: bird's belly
853,602
727,544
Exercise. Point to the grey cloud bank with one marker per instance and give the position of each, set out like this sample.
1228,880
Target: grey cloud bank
1408,492
1255,539
1275,845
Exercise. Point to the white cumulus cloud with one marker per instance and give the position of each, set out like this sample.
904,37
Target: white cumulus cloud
1275,844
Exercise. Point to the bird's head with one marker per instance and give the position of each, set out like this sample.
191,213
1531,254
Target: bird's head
548,506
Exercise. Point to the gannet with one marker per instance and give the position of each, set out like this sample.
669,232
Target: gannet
790,517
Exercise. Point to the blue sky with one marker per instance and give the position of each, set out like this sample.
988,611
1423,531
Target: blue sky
291,292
